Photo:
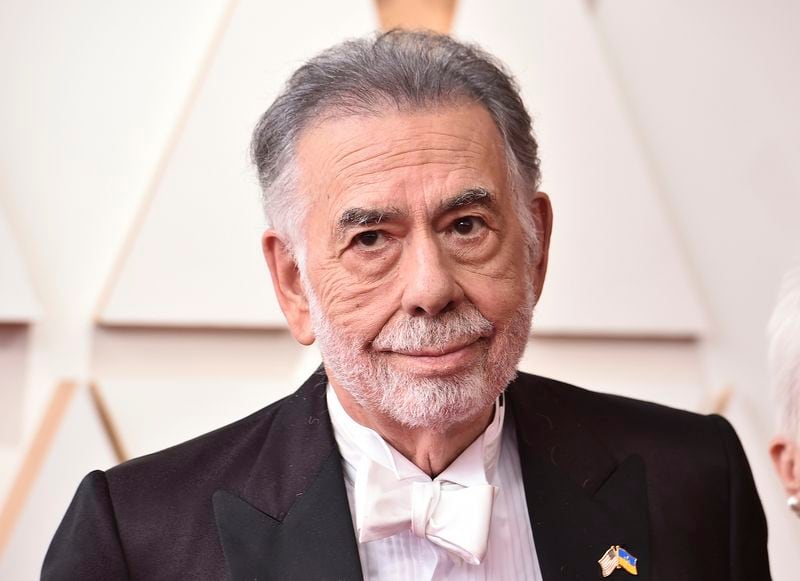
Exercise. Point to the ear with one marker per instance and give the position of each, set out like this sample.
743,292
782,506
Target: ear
786,458
542,213
288,286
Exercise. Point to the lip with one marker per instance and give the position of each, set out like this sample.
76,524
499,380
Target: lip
437,351
440,361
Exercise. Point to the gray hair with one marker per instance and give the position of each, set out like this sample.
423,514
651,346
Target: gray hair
398,70
784,354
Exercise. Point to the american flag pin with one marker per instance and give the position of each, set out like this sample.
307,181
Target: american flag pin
617,558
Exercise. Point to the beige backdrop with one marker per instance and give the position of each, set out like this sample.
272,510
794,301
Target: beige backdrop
130,220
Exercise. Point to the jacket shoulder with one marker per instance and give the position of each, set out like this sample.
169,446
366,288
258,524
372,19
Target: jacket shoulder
582,399
162,504
692,464
627,425
208,451
218,453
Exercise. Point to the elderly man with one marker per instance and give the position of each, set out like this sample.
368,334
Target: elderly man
409,241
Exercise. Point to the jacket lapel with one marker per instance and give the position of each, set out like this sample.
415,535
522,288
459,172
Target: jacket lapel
581,501
291,519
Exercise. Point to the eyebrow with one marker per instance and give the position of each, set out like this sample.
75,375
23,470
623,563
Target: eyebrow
469,197
360,217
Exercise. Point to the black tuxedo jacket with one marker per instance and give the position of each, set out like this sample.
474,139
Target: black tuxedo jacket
264,498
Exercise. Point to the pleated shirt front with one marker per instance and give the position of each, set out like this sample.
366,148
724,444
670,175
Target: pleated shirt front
493,458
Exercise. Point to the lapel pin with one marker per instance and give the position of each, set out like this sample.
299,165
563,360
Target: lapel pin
617,558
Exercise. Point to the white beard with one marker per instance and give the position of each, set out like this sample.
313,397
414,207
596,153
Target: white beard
412,400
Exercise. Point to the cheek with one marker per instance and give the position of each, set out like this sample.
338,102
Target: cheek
498,288
372,267
357,305
498,299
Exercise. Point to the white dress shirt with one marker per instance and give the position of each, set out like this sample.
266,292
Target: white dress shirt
492,458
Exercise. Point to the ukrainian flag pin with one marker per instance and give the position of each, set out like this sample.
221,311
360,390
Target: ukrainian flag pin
617,558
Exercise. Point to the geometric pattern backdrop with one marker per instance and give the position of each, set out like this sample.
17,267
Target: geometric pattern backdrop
205,201
18,303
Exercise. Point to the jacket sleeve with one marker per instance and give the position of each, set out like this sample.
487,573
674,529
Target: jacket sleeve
748,526
86,545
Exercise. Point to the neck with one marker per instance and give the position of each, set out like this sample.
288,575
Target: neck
431,450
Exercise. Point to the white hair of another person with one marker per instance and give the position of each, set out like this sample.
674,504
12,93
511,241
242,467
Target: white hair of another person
784,354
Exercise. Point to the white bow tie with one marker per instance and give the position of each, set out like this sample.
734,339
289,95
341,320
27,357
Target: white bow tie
449,515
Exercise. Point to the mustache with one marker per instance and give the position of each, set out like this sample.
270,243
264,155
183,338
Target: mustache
462,324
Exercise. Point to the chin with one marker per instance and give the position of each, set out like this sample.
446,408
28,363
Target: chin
397,377
439,403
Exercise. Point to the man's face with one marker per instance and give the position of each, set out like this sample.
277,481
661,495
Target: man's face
419,282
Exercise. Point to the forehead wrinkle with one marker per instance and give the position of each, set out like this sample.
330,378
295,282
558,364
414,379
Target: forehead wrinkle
446,154
371,176
342,157
372,169
411,143
414,142
460,152
409,147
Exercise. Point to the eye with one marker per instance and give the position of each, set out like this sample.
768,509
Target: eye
467,225
369,239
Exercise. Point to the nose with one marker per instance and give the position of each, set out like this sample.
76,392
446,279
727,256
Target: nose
430,287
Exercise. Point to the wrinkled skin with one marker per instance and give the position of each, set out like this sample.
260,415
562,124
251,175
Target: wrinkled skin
389,236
